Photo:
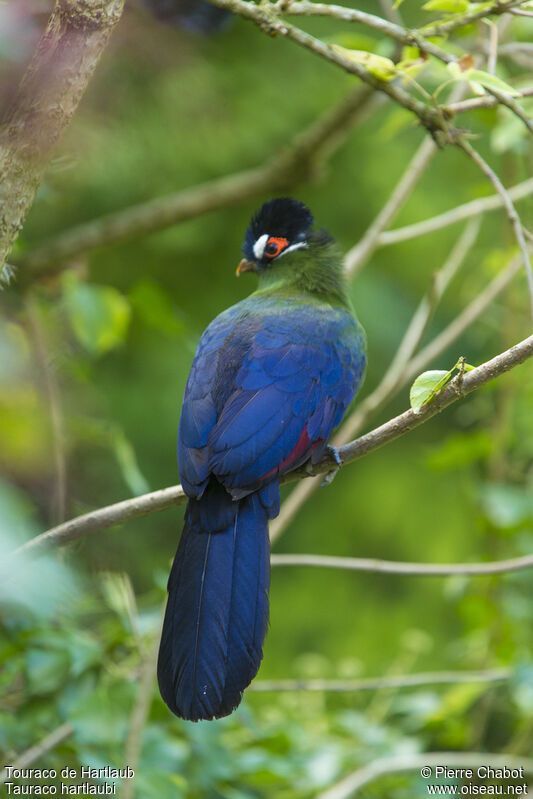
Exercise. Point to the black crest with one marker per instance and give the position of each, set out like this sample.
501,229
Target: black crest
281,216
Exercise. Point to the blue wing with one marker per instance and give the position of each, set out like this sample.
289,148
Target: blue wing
269,383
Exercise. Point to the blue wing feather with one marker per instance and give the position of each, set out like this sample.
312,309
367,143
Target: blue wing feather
279,367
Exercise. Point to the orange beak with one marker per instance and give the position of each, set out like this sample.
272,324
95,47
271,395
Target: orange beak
246,266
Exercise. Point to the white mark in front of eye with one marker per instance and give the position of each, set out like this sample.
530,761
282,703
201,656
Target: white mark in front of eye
259,246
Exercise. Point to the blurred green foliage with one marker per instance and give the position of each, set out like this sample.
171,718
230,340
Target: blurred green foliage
115,334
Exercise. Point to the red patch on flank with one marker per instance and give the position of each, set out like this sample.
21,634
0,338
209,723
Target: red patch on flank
302,446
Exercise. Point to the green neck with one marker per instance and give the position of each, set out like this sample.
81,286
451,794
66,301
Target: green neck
316,271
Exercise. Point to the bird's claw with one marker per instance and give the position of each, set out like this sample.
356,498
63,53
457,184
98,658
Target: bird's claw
329,477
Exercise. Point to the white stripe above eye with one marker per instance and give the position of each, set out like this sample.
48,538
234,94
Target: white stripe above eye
259,246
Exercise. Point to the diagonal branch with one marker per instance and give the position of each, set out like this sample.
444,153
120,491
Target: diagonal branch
504,98
51,89
38,750
409,420
364,248
457,214
507,203
384,434
485,101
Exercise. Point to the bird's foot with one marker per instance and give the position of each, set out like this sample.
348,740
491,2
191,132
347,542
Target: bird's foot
329,477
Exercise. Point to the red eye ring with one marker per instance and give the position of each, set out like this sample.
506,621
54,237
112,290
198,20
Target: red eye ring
274,246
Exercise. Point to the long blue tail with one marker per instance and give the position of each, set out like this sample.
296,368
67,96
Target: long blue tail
217,611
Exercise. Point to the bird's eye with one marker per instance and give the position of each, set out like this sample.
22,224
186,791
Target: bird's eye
275,245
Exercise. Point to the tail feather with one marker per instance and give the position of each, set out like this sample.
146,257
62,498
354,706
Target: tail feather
249,600
217,610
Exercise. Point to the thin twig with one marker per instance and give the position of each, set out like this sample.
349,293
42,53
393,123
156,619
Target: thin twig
504,98
405,569
493,48
35,752
353,783
359,254
378,683
457,214
485,101
509,207
391,11
108,516
380,436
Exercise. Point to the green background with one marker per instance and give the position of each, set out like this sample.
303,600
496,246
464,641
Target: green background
119,327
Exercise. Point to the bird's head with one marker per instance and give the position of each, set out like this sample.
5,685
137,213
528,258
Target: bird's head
281,226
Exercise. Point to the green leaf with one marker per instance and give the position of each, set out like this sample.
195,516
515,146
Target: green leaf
451,6
383,68
478,79
426,386
489,81
99,315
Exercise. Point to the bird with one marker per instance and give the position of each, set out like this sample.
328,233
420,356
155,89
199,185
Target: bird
272,377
